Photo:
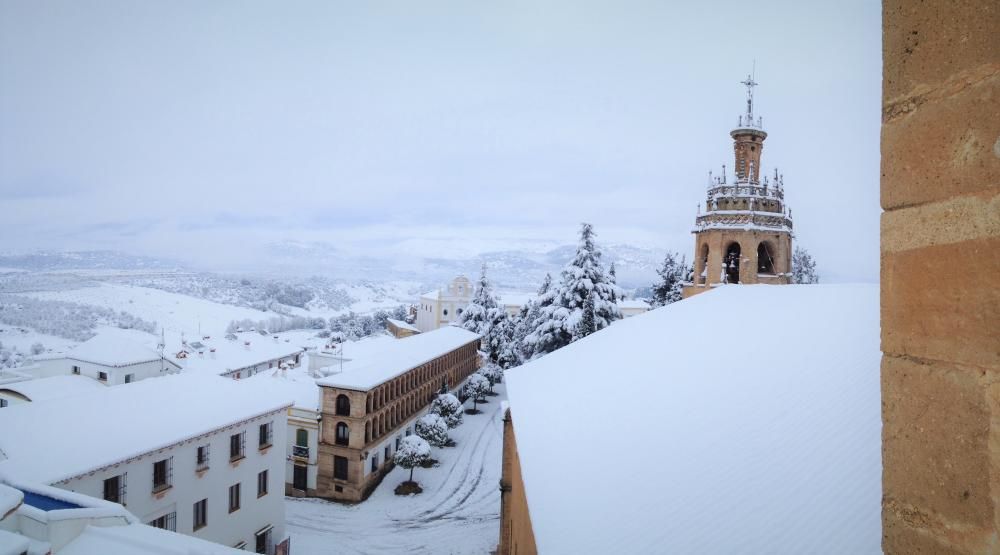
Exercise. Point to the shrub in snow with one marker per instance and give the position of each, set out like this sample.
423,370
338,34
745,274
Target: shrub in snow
477,387
37,349
412,452
432,428
448,407
803,267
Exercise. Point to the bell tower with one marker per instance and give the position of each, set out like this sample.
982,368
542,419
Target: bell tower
743,231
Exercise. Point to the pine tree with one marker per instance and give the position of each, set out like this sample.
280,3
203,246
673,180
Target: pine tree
613,280
477,315
672,277
803,267
582,278
587,325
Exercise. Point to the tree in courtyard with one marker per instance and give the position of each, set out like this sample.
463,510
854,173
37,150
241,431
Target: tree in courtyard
493,375
803,267
413,451
477,387
432,428
448,407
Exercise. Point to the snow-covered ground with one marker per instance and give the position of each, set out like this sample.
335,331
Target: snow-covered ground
172,311
458,512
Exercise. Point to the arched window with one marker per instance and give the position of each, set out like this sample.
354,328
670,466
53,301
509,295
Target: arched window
703,269
445,312
301,438
765,262
343,434
343,405
731,263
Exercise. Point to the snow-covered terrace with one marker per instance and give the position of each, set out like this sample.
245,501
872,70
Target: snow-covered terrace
115,348
395,357
50,441
54,387
218,355
696,429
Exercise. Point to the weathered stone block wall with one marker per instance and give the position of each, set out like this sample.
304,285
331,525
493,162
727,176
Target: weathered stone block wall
941,276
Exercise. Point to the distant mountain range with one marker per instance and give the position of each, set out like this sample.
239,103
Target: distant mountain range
521,269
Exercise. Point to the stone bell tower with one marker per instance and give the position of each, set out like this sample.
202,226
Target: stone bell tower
743,232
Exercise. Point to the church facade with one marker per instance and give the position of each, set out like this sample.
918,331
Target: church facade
743,232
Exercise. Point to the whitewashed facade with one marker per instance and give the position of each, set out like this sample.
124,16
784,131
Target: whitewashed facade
442,307
204,457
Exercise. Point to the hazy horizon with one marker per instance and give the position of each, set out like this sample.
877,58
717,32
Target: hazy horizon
203,132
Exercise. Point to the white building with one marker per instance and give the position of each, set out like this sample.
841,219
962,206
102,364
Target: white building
197,454
112,357
302,437
37,519
632,307
444,306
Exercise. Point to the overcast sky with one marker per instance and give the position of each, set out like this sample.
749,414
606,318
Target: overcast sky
196,130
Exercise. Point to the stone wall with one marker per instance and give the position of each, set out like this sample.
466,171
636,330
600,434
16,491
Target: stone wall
941,276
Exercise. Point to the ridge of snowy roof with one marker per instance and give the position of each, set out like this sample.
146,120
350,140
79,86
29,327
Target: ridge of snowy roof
402,325
396,357
754,414
30,430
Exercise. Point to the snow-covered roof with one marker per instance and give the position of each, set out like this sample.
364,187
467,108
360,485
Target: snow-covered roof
141,539
229,355
295,384
432,295
116,348
395,358
402,325
54,387
514,298
753,412
633,303
54,440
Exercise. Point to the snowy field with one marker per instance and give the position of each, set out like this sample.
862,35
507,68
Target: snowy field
458,512
172,311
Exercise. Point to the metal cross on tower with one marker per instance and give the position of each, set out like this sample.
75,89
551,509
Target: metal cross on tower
750,84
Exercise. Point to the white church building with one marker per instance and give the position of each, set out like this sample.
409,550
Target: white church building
443,306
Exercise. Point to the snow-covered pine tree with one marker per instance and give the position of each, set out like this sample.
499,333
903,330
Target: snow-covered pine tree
672,276
477,315
613,280
803,267
586,326
499,331
583,277
530,317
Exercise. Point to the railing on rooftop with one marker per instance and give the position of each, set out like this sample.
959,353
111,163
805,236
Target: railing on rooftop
300,451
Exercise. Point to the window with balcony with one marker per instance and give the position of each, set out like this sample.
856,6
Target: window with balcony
103,376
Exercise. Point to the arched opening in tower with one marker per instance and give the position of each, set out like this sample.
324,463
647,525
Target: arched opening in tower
732,263
702,277
765,261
